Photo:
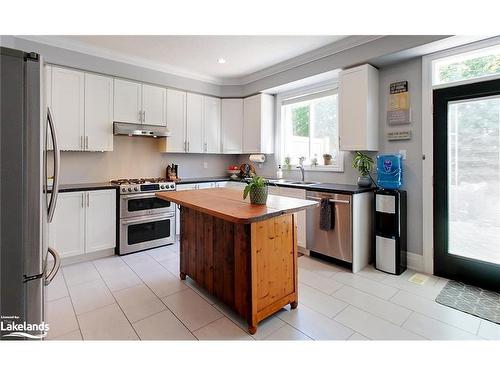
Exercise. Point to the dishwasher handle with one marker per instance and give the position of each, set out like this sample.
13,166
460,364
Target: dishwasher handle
330,200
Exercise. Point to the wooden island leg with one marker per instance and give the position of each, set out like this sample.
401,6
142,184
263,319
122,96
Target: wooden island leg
182,275
252,330
294,304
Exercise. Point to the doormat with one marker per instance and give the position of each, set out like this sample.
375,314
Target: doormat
471,299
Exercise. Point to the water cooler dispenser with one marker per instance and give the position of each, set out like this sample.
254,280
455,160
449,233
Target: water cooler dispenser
390,216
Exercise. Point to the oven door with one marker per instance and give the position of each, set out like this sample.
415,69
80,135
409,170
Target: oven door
135,205
146,232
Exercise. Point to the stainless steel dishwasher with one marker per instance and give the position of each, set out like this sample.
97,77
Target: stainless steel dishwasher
336,242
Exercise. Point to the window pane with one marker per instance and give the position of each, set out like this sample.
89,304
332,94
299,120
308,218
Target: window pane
474,178
310,129
325,136
478,63
300,121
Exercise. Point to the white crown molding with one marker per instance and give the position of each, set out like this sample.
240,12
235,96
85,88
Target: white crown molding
295,62
64,43
328,50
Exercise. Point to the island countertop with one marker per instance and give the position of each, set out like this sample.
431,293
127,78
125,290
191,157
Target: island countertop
228,204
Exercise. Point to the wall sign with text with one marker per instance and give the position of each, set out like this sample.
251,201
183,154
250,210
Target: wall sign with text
398,108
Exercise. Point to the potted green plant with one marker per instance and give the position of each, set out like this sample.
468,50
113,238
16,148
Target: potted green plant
363,163
257,187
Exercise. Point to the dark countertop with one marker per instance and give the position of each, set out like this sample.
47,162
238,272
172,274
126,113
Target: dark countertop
199,180
326,187
65,188
340,188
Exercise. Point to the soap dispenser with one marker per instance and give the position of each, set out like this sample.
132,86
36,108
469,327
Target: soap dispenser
279,173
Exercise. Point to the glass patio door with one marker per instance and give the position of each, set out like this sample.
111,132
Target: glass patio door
467,183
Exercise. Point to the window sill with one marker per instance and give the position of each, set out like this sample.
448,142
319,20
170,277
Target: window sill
319,168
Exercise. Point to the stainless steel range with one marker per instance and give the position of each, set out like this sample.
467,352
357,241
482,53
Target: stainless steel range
145,221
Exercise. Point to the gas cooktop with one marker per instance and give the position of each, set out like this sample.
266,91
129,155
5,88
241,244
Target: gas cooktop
138,185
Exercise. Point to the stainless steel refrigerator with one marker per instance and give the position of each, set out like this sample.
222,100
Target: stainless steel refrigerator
27,204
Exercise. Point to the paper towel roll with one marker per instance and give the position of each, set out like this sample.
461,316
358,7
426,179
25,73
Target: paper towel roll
259,158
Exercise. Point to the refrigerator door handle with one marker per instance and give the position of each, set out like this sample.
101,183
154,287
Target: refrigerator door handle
57,164
57,263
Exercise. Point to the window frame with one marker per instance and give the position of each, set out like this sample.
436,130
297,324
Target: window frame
338,165
466,44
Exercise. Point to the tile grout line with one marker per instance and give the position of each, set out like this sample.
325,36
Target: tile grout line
117,303
161,298
72,304
436,319
305,334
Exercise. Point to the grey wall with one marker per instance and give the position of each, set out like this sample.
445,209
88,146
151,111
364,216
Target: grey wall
410,71
137,157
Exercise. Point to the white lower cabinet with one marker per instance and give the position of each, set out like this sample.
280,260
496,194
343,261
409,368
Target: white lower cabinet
84,222
66,233
300,216
100,220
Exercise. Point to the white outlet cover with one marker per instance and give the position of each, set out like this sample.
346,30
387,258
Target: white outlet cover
403,154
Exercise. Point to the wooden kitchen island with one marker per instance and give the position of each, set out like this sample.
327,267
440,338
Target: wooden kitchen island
246,255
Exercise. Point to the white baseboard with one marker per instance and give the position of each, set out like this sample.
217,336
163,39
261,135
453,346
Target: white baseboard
415,262
87,257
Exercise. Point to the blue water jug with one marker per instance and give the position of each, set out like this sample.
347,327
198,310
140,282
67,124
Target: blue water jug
389,171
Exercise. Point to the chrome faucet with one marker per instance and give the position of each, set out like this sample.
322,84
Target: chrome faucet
301,167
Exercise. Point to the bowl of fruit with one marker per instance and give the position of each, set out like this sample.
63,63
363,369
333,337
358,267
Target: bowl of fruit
233,170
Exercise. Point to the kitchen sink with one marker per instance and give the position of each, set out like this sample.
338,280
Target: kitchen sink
293,182
303,183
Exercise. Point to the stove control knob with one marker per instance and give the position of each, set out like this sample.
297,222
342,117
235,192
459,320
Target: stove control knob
171,186
162,187
129,189
136,189
123,189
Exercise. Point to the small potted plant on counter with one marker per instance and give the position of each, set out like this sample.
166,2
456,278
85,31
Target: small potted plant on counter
257,187
363,163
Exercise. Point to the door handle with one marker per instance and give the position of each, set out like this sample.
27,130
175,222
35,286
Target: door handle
330,200
143,116
88,199
57,165
57,264
147,219
86,142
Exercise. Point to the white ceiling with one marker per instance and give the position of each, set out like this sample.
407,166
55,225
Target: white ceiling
196,55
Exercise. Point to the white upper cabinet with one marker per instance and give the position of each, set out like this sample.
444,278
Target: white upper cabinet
194,123
176,122
67,104
232,126
128,101
212,124
358,109
258,124
98,113
154,101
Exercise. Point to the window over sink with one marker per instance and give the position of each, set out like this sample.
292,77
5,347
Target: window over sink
309,131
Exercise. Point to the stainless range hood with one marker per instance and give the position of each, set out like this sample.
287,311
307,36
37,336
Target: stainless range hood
125,128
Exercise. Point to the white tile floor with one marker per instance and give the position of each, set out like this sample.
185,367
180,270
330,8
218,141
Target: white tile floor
140,296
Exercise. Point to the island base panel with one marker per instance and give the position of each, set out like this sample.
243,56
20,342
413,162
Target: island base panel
250,267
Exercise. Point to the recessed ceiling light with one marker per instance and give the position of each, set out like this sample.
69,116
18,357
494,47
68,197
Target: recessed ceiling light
221,60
